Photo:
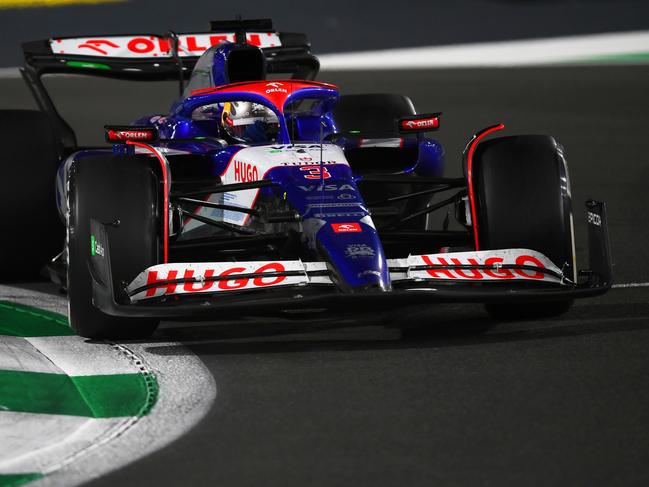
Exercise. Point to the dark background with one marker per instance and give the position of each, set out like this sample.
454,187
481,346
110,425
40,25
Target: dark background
336,25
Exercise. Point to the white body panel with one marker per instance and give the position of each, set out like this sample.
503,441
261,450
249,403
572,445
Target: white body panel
400,270
149,46
252,164
200,271
494,258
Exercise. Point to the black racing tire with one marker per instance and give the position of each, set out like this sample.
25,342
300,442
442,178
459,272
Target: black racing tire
33,232
523,201
376,114
110,188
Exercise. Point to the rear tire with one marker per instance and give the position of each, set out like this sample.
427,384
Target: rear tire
112,189
30,157
523,201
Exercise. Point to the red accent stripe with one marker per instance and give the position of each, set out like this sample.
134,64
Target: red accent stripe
165,203
469,175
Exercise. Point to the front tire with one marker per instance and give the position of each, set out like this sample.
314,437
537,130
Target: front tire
523,201
121,191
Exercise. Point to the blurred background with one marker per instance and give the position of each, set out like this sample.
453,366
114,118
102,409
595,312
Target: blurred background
333,26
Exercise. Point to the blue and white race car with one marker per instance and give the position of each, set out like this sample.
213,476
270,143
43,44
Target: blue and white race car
263,190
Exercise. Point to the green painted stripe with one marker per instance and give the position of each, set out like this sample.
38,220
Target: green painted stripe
639,57
15,479
24,321
95,396
81,64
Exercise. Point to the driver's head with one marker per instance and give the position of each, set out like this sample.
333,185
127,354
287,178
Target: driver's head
249,123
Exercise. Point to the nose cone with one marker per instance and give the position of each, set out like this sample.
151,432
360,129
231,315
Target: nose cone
355,252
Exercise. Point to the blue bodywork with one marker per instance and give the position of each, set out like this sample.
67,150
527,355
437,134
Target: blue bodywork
357,259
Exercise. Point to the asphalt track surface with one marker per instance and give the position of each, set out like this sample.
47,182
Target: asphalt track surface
437,396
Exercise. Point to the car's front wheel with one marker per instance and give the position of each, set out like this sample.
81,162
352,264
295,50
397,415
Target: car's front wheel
121,192
523,201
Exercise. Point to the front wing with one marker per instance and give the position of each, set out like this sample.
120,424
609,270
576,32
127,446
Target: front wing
211,289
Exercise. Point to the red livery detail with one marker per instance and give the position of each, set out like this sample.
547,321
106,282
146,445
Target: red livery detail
244,172
346,227
165,196
420,124
469,176
276,91
224,285
116,135
476,274
95,43
314,172
141,45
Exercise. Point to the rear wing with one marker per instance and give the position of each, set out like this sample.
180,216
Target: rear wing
155,57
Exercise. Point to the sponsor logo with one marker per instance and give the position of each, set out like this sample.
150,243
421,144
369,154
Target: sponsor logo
275,88
352,214
117,135
346,227
354,251
328,187
98,45
316,172
424,123
350,204
346,196
594,219
244,172
201,284
305,163
294,146
96,248
153,46
496,273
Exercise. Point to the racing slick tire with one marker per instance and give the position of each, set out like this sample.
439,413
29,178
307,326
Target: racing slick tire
523,201
30,158
122,192
376,114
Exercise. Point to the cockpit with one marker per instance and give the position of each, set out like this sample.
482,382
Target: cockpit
227,97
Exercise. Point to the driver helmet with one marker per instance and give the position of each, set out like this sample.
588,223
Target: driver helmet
248,122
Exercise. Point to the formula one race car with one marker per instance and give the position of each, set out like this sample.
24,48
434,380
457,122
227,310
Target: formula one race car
262,190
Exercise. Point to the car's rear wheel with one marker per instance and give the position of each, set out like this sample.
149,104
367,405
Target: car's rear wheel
33,230
123,192
523,201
